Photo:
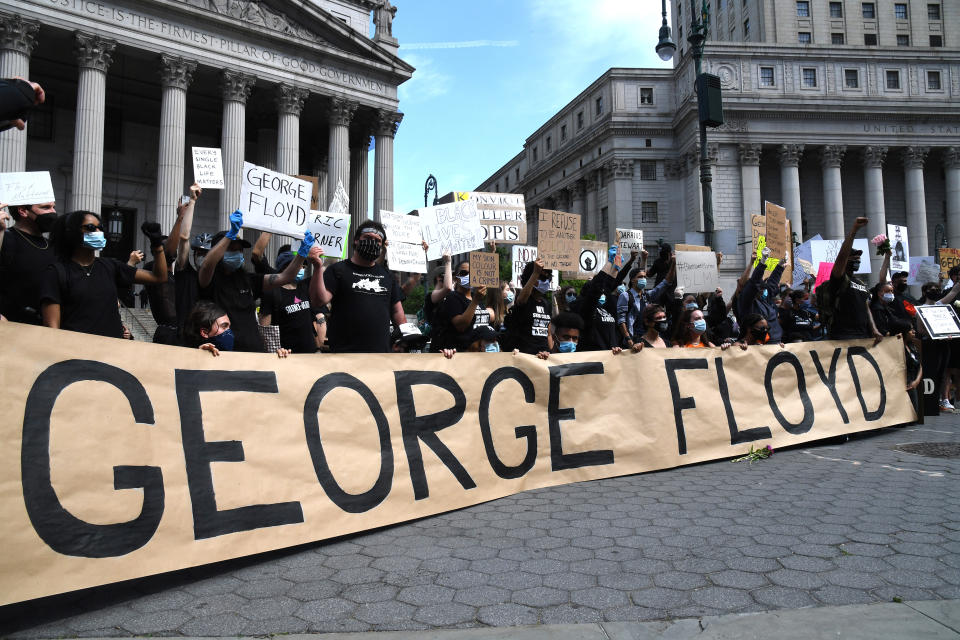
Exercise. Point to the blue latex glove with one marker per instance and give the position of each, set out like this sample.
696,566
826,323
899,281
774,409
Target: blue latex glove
612,255
236,223
306,245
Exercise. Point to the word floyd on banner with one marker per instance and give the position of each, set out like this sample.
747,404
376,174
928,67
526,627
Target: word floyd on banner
520,255
207,167
340,203
899,248
26,187
502,215
453,227
273,202
484,269
593,257
697,271
332,232
558,239
401,228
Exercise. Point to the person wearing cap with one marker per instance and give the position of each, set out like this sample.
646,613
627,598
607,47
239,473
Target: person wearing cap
461,311
852,318
288,307
407,338
483,339
366,297
223,280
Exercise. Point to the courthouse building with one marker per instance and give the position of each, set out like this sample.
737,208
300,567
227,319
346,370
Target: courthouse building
299,86
833,108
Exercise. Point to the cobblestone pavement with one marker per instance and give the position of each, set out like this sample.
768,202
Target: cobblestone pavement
822,524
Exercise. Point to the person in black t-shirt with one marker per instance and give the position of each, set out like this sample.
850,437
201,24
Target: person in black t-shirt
529,320
442,285
461,312
25,255
288,307
853,318
365,296
223,280
79,292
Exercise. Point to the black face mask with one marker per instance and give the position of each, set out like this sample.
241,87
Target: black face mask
900,286
46,222
662,326
368,249
853,265
759,334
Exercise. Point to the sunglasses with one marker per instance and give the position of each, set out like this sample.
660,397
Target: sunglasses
90,228
462,273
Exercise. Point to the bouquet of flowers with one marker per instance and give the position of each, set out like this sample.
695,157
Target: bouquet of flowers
882,243
755,454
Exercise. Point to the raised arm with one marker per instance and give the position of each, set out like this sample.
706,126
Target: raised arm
260,246
884,268
319,295
288,275
183,231
159,273
440,293
524,294
840,266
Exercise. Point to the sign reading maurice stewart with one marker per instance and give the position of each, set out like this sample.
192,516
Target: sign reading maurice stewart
207,167
183,474
274,202
453,227
503,215
558,240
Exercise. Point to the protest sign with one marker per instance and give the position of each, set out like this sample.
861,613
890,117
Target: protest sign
803,265
520,255
949,258
405,256
691,247
314,193
26,187
332,232
273,202
775,229
340,202
899,248
758,228
453,227
697,271
484,269
923,269
824,269
207,167
629,240
826,251
593,256
401,228
502,215
184,473
940,321
558,239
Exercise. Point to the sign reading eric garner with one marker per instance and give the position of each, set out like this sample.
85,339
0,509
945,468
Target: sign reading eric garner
331,231
558,240
274,202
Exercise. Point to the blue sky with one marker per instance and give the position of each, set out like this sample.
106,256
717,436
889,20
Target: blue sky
491,72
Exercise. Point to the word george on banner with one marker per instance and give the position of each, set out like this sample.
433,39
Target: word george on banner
558,240
207,167
274,202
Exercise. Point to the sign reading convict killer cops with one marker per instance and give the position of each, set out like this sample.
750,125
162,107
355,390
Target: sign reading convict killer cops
558,239
503,215
117,463
274,202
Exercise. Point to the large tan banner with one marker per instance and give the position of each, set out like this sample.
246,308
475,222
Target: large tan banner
124,459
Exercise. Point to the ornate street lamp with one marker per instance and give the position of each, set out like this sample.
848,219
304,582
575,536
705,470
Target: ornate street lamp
430,184
115,224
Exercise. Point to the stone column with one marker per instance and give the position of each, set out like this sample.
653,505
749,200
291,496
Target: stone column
951,167
789,156
385,128
322,191
359,178
619,197
873,204
338,158
578,192
236,87
591,210
94,55
831,157
175,76
750,186
17,39
289,105
913,160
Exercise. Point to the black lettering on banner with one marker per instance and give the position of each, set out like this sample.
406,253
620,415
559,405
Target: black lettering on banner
869,416
208,521
415,428
736,436
558,459
807,421
61,530
679,404
830,382
349,502
527,431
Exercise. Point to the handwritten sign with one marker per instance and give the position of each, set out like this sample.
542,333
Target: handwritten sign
208,167
899,248
826,251
454,227
520,255
802,261
629,240
949,258
331,231
502,215
401,228
315,193
940,321
697,271
340,203
776,229
823,274
924,270
26,187
593,257
484,269
273,202
558,240
406,256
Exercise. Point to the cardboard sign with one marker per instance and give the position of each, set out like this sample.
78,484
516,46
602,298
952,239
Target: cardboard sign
520,255
691,247
775,229
824,269
340,202
484,269
332,232
899,248
826,251
208,167
273,202
453,227
697,271
593,257
200,480
502,215
923,269
406,256
803,265
949,258
629,240
940,321
315,194
401,228
26,187
558,239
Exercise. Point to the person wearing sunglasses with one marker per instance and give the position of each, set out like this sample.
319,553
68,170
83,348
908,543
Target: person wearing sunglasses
461,311
79,291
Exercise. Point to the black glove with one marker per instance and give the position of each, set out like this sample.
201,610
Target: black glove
152,231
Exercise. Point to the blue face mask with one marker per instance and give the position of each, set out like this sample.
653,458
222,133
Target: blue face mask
602,301
641,283
223,341
543,285
568,346
765,294
571,297
509,297
699,326
493,347
622,288
888,297
301,274
465,281
233,260
95,240
691,306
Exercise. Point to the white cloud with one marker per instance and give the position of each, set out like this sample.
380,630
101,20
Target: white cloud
464,44
427,83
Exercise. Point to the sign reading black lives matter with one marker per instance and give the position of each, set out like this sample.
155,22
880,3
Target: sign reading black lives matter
274,202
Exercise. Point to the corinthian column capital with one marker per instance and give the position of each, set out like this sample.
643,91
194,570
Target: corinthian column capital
831,155
236,86
93,52
915,157
619,168
951,158
874,157
176,72
340,111
387,122
749,154
18,34
290,98
790,154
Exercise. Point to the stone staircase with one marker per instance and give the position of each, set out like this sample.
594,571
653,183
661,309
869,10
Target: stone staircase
140,322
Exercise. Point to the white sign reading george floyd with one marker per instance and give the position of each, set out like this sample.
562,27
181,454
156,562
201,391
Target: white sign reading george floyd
401,228
207,167
697,271
453,227
26,187
274,202
330,231
899,248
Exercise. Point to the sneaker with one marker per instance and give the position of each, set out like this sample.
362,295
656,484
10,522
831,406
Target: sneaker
945,405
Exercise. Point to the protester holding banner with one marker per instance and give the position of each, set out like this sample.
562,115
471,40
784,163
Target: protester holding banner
460,313
719,322
754,329
796,320
25,255
631,305
288,307
79,291
529,321
691,330
208,329
658,329
566,328
881,308
496,306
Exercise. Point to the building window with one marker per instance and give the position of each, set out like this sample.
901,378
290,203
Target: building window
870,39
803,37
836,38
809,77
746,29
836,9
803,8
603,219
869,11
646,95
936,41
648,170
516,174
496,187
579,120
903,40
933,81
549,144
534,154
563,132
598,105
648,212
506,183
647,142
893,79
851,78
933,12
766,77
900,11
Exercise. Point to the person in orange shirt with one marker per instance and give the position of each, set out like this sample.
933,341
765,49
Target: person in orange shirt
691,329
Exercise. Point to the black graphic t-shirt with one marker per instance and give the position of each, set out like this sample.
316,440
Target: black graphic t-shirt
363,298
186,289
290,310
447,336
852,319
88,295
533,322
